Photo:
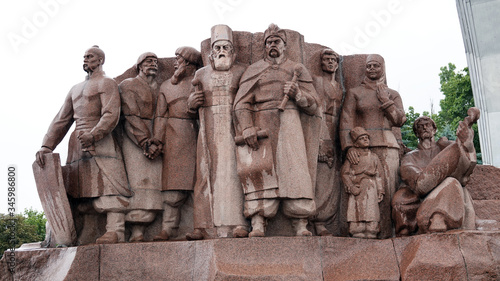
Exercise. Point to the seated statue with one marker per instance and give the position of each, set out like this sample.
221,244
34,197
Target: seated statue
434,198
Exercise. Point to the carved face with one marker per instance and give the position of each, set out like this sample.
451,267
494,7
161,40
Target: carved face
149,66
180,66
179,61
275,47
91,61
363,141
222,55
425,129
329,63
374,70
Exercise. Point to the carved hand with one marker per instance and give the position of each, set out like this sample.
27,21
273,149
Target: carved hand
154,148
86,139
196,100
383,93
250,136
465,135
353,156
355,190
291,88
380,197
39,155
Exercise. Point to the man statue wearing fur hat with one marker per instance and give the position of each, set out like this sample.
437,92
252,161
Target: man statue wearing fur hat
278,117
94,173
218,197
177,131
138,96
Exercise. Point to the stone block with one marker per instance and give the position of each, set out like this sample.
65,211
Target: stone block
74,263
484,183
147,261
430,257
481,254
358,259
487,209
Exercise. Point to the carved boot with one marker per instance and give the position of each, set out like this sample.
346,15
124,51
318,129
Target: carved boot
115,229
300,227
197,234
437,223
240,232
357,229
258,226
137,233
321,229
162,236
170,223
372,229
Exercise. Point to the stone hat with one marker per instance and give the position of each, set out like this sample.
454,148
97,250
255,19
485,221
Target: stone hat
375,57
221,32
190,54
274,30
358,132
143,57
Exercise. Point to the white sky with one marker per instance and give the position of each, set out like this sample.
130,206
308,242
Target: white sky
43,42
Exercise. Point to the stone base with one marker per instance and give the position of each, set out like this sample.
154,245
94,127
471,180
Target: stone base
455,255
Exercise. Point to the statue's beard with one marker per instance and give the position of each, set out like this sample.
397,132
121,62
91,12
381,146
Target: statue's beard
223,63
426,135
179,74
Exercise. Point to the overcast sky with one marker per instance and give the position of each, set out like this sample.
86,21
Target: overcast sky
43,43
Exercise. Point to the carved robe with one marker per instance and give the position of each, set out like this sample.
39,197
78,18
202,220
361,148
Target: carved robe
218,194
362,108
144,174
363,207
327,192
178,130
94,105
285,164
436,174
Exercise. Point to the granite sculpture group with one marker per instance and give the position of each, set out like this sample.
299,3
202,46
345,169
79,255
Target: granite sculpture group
247,132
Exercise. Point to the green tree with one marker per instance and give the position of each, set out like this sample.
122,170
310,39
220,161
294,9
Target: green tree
457,89
409,138
21,228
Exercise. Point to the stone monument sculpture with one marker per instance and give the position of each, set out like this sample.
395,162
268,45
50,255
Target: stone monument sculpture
94,169
435,173
375,107
138,100
177,131
363,183
277,114
327,193
252,136
218,197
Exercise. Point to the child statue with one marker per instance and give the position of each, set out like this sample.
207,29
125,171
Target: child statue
364,185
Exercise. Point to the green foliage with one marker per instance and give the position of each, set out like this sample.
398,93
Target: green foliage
37,219
29,227
457,89
409,138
